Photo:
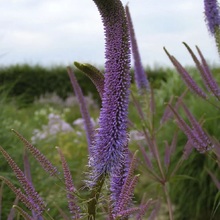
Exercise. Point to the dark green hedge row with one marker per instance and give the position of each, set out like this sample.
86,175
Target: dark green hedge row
30,82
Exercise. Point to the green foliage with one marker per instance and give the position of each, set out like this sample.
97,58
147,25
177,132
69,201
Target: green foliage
192,191
193,199
30,82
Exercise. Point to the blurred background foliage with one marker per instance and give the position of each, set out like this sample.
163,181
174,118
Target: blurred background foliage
21,88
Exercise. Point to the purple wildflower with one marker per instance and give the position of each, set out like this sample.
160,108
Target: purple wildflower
186,77
197,129
111,140
124,195
125,213
73,208
20,195
187,149
24,214
208,77
140,75
205,72
44,162
195,135
212,14
83,108
33,196
143,209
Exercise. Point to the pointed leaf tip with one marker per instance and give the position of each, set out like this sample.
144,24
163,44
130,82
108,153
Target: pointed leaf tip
94,74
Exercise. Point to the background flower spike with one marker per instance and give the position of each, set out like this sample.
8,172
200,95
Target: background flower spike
83,109
70,189
33,197
94,74
21,196
139,73
192,85
208,77
212,17
44,162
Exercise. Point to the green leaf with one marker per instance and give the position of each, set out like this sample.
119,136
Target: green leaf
182,177
94,74
216,205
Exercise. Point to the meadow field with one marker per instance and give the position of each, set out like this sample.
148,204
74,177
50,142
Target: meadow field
40,104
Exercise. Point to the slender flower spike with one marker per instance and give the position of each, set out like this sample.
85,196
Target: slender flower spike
195,135
208,77
205,72
124,195
140,75
197,129
212,14
110,145
186,77
44,162
74,209
83,108
34,197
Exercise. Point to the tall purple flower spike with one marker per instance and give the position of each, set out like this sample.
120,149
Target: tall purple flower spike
111,141
212,14
139,73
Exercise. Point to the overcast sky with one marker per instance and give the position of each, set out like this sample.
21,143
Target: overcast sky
53,32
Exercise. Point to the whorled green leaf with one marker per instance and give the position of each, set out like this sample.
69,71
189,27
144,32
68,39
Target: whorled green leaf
94,74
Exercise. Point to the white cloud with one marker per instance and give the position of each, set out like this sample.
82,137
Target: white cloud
54,31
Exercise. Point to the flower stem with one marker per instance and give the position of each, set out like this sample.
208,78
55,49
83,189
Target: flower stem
169,205
94,196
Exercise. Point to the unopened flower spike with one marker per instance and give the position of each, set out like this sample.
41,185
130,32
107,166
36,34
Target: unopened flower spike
24,214
143,209
70,189
191,134
27,172
123,194
44,162
208,77
186,77
83,109
94,74
139,73
197,129
212,17
21,196
205,72
33,197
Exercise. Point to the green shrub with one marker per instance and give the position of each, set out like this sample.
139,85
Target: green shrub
30,82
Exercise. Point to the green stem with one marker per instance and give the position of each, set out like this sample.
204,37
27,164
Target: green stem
169,205
94,196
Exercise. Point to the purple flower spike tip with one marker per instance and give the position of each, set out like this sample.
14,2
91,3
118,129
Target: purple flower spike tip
212,14
140,75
